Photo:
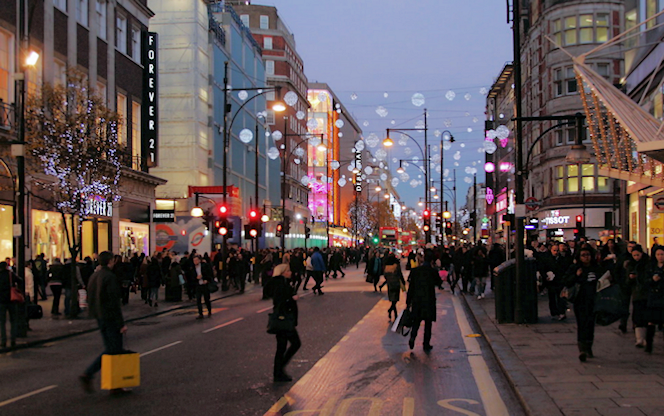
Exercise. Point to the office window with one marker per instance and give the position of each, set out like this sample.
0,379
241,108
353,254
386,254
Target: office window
245,19
570,80
586,28
570,30
136,44
121,33
121,105
602,27
267,42
61,4
603,184
572,179
560,180
6,41
558,82
630,22
269,67
604,70
588,177
265,22
135,136
82,12
101,19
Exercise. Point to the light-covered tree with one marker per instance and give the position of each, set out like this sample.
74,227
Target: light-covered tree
362,220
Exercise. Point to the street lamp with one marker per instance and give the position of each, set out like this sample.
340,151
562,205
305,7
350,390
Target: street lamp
197,212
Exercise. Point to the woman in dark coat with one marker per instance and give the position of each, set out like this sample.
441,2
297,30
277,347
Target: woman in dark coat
284,305
394,280
639,276
585,272
654,312
154,279
421,298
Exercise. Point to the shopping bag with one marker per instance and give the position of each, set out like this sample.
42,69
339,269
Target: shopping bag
120,371
609,305
403,323
83,299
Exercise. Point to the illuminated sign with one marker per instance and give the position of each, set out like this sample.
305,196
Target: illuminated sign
554,218
501,203
358,175
489,196
149,116
98,206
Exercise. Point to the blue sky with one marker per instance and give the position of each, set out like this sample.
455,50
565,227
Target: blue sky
366,49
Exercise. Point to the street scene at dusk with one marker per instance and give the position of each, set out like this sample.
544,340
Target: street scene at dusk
299,207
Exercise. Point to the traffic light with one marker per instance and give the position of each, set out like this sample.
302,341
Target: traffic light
438,221
579,221
307,232
375,240
579,231
280,229
286,228
448,228
255,226
426,220
223,227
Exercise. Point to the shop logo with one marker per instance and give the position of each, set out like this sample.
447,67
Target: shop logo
98,206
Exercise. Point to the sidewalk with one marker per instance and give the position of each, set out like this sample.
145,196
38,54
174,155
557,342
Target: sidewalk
52,328
541,362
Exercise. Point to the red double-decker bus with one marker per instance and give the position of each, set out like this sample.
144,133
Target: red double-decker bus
389,236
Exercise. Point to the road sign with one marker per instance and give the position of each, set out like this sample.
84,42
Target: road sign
659,204
532,204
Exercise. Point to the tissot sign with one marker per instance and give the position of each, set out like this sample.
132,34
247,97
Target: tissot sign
554,218
149,119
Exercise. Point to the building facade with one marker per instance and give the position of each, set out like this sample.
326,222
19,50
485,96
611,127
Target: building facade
104,40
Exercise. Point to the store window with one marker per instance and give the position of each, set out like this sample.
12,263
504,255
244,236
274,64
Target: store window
134,238
48,235
572,179
101,19
6,227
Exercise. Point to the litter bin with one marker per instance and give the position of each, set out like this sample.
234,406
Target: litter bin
529,291
504,291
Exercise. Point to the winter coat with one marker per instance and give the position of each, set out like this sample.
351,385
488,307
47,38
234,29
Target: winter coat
422,292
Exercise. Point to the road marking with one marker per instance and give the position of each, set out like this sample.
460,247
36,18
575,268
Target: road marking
491,400
335,348
222,325
353,329
345,338
266,309
25,396
172,344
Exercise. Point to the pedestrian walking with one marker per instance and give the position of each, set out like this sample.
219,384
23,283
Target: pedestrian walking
318,264
309,270
284,305
552,268
155,279
395,283
104,303
583,277
41,275
639,278
174,281
480,266
655,304
7,307
421,299
202,274
55,284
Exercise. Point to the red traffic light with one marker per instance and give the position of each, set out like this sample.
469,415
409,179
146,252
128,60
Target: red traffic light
279,227
223,230
425,228
426,213
579,218
253,232
253,214
223,209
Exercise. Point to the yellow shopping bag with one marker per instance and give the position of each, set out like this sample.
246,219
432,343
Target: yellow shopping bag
119,371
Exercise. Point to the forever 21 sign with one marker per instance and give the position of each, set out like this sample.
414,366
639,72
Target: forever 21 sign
150,118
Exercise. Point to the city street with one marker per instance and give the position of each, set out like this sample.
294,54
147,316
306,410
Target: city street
350,364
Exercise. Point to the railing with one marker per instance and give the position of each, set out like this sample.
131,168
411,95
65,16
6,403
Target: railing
217,30
227,8
129,160
7,116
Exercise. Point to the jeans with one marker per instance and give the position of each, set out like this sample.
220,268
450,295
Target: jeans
557,305
203,291
479,284
283,355
427,331
57,292
11,308
110,333
154,294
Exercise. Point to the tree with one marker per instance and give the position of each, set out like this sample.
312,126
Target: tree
384,214
365,221
73,152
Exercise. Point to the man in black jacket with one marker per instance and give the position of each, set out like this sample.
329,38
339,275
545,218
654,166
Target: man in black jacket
421,299
552,268
104,304
201,273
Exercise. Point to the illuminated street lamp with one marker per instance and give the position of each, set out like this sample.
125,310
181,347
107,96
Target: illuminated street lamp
197,212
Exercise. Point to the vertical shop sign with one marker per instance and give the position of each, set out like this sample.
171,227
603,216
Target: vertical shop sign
358,175
150,118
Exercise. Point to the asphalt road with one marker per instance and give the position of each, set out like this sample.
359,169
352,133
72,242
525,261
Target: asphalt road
349,364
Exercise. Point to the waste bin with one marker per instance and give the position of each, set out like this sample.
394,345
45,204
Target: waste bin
504,291
529,290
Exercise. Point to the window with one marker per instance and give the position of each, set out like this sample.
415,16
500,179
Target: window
651,10
630,22
136,44
586,28
245,19
604,70
557,34
269,96
60,72
5,65
267,42
34,74
270,117
572,179
603,184
558,82
269,67
559,137
82,12
135,136
101,19
560,180
570,80
121,105
121,33
602,27
61,4
588,177
571,135
570,30
265,22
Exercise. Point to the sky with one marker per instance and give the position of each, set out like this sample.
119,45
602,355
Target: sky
379,53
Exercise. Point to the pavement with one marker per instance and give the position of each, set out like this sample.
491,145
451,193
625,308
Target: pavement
541,363
54,328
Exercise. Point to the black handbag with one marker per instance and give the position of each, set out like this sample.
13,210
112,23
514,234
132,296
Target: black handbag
213,286
570,293
277,323
34,311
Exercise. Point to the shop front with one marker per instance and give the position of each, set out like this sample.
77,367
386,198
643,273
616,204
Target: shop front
559,224
134,228
646,217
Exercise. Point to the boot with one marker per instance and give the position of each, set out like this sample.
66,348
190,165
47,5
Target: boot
650,336
583,355
640,337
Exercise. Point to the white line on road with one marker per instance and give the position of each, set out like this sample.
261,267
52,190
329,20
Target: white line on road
161,348
222,325
25,396
266,309
491,400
